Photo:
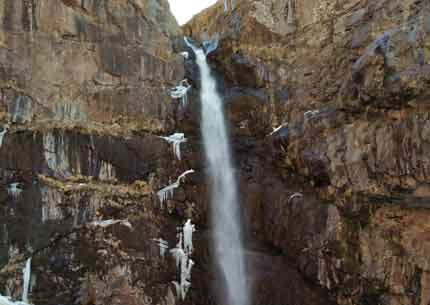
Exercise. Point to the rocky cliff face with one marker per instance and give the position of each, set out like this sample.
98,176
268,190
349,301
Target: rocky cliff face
342,187
85,92
335,199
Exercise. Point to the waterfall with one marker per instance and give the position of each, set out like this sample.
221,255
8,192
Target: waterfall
227,235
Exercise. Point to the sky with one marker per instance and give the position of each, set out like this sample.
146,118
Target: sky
185,9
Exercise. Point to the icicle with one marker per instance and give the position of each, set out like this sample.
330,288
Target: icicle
167,192
177,287
2,134
176,139
26,273
110,222
14,190
163,245
178,254
188,236
182,260
180,92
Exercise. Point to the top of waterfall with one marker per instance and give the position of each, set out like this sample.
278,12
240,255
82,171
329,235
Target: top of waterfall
209,45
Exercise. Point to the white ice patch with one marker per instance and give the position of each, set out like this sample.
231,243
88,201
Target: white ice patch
188,230
275,130
183,262
2,134
176,139
295,195
167,192
163,245
311,113
110,222
181,91
26,281
14,190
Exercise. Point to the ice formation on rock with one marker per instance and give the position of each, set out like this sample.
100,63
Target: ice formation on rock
110,222
181,91
311,113
14,190
26,285
176,139
167,192
2,134
295,195
183,262
163,245
25,288
275,130
188,230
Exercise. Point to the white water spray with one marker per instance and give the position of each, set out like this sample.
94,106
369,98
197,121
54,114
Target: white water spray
228,243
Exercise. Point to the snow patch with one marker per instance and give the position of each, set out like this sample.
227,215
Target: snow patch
176,139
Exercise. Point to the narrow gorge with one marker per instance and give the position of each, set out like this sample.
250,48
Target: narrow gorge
279,155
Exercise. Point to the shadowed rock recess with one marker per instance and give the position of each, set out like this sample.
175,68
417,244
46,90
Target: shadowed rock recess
327,102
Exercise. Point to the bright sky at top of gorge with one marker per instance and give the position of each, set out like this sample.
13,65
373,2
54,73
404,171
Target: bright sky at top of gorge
184,10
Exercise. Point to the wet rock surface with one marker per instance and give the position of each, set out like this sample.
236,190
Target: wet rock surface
335,186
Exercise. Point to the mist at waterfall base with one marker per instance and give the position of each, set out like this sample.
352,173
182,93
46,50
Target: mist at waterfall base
225,217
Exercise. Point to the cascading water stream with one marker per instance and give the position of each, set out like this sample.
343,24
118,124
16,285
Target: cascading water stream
228,243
